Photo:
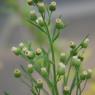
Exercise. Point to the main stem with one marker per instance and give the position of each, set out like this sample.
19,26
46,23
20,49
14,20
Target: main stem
53,60
55,90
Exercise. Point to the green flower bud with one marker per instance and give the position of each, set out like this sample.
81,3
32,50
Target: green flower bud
17,73
24,49
21,45
63,57
40,83
59,23
38,51
84,75
89,73
40,21
81,57
52,6
41,7
72,45
30,68
16,50
76,61
66,90
44,72
33,15
29,54
85,43
30,2
61,69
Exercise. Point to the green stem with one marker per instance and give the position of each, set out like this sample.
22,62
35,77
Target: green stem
53,58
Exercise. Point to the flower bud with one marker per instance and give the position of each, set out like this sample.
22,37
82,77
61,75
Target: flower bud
41,7
17,73
63,57
85,43
72,45
40,83
21,45
30,68
59,23
24,49
52,6
66,90
89,73
44,72
30,2
61,69
81,57
33,15
16,50
29,54
76,61
40,21
38,51
84,75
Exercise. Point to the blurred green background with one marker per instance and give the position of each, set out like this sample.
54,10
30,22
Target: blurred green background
80,18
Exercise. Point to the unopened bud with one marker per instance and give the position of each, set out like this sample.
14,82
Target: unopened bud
61,69
41,7
89,73
16,50
30,68
40,21
30,2
76,61
63,57
85,43
17,73
72,44
38,51
33,15
44,72
40,83
66,90
59,23
29,54
52,6
84,75
21,45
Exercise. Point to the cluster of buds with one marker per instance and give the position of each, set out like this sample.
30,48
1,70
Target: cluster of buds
24,50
